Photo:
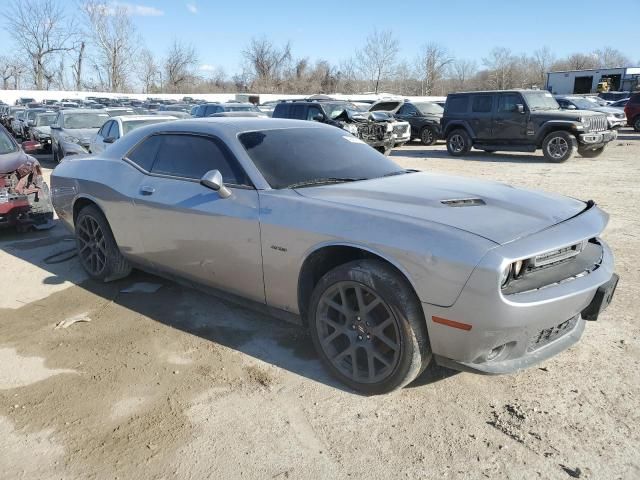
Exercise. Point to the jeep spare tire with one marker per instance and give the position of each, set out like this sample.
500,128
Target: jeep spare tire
558,146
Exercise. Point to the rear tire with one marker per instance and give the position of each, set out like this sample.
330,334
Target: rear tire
428,136
367,313
458,143
558,146
591,153
636,124
98,251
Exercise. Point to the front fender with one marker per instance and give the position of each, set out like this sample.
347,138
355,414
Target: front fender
554,125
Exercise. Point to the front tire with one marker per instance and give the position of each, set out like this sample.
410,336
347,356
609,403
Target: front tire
458,143
558,146
428,136
97,248
636,124
591,153
368,327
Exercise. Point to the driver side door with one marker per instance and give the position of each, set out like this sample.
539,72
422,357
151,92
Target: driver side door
190,230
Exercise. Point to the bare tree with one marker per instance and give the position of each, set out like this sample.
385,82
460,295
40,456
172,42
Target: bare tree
115,40
11,68
41,31
432,63
501,66
609,57
179,65
461,72
266,62
377,59
76,68
542,59
148,70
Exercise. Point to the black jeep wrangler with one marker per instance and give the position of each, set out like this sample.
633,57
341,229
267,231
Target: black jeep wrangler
373,128
522,121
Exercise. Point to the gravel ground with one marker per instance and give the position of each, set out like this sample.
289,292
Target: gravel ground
179,384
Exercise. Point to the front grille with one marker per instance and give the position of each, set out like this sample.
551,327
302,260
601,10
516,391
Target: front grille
596,123
400,129
548,335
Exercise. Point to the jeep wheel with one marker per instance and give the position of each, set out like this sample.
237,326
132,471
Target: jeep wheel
593,153
368,327
386,151
458,143
56,156
558,146
97,249
636,124
428,136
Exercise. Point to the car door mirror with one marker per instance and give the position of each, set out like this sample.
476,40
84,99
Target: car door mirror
571,107
213,180
318,117
520,108
109,140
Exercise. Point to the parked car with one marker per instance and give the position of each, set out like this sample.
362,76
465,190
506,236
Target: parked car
16,123
29,119
119,111
615,118
117,127
632,111
522,121
412,266
72,131
208,109
9,116
176,107
424,117
373,128
176,114
23,101
41,129
620,103
24,196
614,96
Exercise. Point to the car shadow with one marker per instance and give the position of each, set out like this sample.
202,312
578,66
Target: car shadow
628,136
223,319
472,156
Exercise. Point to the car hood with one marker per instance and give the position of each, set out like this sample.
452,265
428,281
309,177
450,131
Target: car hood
10,162
45,129
501,213
607,110
83,134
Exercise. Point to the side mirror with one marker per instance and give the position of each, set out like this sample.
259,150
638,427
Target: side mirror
109,140
571,107
31,146
520,108
213,180
318,117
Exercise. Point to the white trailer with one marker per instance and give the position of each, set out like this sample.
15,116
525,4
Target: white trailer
586,81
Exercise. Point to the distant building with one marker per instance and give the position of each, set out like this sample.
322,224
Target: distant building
586,81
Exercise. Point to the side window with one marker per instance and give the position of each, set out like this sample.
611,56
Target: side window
298,112
407,110
507,103
144,153
104,129
114,131
211,109
457,104
191,156
482,104
312,112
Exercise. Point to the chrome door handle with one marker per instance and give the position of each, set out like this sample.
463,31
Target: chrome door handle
147,190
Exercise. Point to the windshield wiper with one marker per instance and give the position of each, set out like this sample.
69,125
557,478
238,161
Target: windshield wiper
400,172
323,181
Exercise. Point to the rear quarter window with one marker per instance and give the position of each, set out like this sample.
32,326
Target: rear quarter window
457,105
482,103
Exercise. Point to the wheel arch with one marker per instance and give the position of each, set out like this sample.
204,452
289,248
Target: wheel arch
83,201
554,127
323,258
459,124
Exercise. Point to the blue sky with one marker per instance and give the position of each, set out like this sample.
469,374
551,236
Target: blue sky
333,30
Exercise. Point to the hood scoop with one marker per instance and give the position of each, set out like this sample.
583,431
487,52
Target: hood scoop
463,202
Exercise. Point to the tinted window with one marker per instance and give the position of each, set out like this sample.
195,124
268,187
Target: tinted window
297,112
386,107
145,153
211,109
289,156
191,157
105,129
457,104
312,112
509,102
84,120
430,108
6,143
482,103
407,109
114,131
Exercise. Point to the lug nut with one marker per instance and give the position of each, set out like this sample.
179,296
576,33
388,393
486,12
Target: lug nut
358,318
359,337
353,326
368,337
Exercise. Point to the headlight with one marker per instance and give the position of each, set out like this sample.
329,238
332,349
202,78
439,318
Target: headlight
71,139
351,128
389,127
510,272
506,274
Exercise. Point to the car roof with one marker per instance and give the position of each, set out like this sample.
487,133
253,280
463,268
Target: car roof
83,110
133,118
486,92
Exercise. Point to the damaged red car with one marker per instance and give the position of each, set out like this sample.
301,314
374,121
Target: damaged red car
24,196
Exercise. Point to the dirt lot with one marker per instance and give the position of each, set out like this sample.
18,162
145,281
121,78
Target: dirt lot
179,384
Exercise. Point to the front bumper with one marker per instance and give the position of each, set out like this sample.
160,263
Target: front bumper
597,138
69,148
518,321
617,122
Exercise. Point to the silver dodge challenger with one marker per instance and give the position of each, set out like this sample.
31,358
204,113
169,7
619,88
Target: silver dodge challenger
388,268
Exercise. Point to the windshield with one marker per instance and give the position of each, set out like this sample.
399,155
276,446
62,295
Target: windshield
429,108
127,126
6,144
540,101
296,155
85,120
583,104
241,108
31,114
335,109
45,120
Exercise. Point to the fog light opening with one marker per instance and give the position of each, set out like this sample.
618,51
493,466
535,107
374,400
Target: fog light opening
496,352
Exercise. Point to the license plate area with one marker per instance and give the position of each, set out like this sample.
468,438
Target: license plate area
601,299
